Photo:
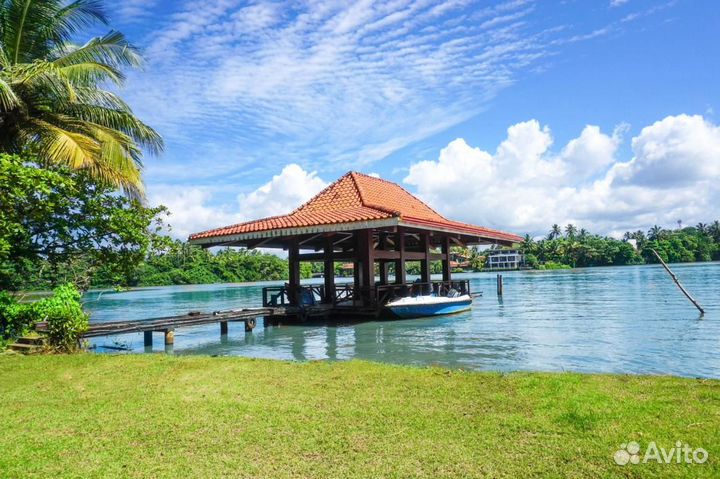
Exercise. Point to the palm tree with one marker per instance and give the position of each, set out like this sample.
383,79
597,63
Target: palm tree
527,244
701,228
51,102
654,233
555,232
714,230
583,234
570,230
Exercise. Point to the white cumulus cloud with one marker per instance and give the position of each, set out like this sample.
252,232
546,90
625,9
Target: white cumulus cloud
192,209
524,186
285,192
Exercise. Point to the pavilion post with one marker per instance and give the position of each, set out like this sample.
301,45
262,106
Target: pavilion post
400,262
294,270
366,258
329,271
425,262
446,275
384,270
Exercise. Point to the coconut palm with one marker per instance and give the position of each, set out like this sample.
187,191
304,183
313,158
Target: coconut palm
51,100
555,232
714,230
527,244
570,230
655,233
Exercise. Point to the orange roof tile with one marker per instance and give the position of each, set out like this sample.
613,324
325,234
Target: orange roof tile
357,197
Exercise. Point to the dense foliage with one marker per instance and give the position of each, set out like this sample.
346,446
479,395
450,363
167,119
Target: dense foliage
52,101
579,248
185,264
66,321
57,225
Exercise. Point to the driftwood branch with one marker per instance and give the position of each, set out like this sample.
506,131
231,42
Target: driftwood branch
677,282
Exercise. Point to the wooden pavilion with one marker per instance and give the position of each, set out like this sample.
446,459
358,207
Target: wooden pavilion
363,220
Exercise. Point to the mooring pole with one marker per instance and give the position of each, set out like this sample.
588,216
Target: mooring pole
499,285
677,282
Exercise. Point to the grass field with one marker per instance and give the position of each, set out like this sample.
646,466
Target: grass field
160,416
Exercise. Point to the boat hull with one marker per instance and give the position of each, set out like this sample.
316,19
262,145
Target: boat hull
419,309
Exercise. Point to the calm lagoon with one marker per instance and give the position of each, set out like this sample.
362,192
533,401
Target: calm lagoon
614,320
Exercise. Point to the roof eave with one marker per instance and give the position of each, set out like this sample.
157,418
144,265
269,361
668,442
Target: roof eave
481,238
240,238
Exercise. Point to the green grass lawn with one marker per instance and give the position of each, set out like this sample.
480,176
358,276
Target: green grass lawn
160,416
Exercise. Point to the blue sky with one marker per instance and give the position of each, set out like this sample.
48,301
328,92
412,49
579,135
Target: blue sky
512,114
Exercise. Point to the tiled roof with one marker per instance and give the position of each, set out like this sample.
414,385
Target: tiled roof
357,197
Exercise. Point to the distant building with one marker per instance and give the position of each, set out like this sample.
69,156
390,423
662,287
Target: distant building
504,259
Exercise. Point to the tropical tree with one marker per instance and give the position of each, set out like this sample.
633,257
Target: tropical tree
52,103
555,232
714,230
655,233
570,230
527,243
702,228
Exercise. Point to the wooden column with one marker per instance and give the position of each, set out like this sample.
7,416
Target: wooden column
425,262
446,259
400,262
384,267
329,271
366,259
294,270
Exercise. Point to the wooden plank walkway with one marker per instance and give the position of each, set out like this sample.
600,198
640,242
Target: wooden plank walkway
167,325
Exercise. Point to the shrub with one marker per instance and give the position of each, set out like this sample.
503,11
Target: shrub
66,320
15,318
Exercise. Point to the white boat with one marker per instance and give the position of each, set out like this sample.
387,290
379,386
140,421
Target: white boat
418,306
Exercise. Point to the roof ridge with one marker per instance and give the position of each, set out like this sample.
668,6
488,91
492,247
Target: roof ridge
324,190
376,178
366,203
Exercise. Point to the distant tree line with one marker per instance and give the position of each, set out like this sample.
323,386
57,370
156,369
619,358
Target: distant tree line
575,247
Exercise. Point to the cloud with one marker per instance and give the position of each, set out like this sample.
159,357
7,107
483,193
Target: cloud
617,3
524,186
192,209
676,151
285,192
309,82
189,210
133,11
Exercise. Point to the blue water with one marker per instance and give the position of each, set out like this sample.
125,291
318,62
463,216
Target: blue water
619,320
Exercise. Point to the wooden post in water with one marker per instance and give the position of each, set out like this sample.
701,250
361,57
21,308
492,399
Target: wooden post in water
223,328
148,339
677,282
169,336
499,285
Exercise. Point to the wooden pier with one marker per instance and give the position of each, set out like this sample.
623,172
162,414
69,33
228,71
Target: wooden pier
169,324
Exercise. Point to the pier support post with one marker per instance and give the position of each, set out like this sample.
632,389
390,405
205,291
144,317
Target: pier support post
169,336
223,328
499,285
148,339
250,324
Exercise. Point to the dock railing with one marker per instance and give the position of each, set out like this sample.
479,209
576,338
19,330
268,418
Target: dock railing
387,292
348,293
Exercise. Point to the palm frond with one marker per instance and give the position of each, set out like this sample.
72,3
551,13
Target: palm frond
111,49
61,146
120,120
91,73
8,98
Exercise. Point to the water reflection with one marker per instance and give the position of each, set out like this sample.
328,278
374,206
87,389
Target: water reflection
629,319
